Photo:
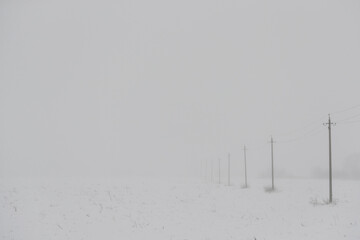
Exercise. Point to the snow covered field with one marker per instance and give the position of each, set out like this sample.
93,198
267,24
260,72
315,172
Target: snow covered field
176,209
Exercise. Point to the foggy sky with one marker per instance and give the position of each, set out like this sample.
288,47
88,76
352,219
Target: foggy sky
113,88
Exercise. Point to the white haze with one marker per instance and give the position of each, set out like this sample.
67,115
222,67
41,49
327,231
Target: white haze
115,88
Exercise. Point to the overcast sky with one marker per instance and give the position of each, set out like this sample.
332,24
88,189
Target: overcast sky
114,88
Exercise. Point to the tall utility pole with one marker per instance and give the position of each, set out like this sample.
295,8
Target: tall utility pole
219,171
329,123
212,171
245,166
206,163
229,169
272,163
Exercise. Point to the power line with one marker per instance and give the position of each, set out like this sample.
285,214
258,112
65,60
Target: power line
310,133
349,122
259,146
315,122
311,123
317,130
346,109
314,131
348,118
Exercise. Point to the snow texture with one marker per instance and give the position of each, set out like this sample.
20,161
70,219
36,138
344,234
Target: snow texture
177,209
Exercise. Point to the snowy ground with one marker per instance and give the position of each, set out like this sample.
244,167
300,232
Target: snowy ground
156,209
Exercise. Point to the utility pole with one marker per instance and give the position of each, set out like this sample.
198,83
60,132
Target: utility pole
212,171
206,170
202,169
245,166
272,163
219,171
329,123
229,169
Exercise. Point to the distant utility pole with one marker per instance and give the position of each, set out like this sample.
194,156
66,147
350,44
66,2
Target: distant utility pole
219,171
229,169
212,171
245,166
206,170
272,163
329,123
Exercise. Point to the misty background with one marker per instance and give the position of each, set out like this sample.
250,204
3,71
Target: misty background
157,88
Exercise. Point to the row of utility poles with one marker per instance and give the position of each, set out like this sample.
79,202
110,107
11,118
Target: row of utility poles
329,124
219,170
245,167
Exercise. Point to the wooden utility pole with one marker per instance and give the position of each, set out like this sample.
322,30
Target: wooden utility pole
272,163
229,169
245,166
219,171
212,171
329,123
206,170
